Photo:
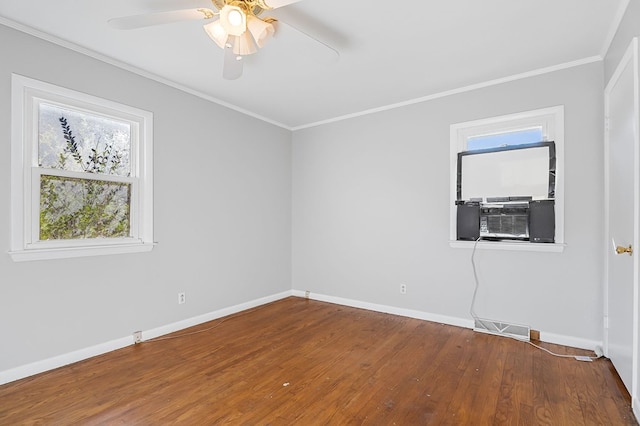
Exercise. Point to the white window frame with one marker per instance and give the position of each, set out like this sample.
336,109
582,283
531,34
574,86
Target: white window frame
551,120
27,94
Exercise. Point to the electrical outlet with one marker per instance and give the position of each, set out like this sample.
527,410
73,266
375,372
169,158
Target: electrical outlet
182,298
403,289
137,337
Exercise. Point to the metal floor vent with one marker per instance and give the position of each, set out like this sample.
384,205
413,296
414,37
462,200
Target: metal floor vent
520,332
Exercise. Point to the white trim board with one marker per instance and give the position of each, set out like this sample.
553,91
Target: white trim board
107,59
558,339
116,63
41,366
621,355
410,313
457,91
190,322
44,365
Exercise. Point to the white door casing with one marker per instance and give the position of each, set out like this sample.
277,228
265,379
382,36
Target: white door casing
622,213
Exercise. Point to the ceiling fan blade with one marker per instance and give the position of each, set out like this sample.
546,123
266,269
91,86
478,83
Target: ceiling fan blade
274,4
141,21
233,64
301,23
329,50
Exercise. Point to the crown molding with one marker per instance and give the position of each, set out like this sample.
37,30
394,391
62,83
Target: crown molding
457,91
135,70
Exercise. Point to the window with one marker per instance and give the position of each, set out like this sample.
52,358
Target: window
81,174
514,137
542,125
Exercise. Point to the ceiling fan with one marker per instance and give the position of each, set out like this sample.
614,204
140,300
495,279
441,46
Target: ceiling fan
237,26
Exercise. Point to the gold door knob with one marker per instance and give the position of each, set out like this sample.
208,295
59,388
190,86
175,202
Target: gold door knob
621,250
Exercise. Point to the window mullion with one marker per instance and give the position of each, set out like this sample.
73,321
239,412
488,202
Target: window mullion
84,175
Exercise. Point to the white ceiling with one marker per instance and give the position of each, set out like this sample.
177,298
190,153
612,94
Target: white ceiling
389,53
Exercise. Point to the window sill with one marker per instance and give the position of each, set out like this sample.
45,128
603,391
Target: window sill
68,252
510,245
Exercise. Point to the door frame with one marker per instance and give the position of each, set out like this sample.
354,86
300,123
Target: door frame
631,55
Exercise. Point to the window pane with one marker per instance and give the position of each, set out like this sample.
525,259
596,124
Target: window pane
72,208
518,137
77,141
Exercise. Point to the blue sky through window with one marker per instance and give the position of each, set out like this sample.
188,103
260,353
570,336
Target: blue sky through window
518,137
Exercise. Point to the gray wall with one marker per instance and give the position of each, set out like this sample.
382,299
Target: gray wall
371,211
222,217
627,30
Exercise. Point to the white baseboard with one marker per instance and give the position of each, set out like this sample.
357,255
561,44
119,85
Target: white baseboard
41,366
443,319
558,339
190,322
82,354
61,360
574,342
635,406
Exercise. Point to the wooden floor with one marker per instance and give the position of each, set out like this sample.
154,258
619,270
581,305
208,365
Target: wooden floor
304,362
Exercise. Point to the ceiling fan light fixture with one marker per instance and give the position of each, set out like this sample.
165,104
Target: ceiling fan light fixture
217,33
244,45
233,20
260,30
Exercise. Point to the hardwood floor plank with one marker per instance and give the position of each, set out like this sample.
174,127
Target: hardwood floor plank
298,361
478,386
515,395
433,377
605,401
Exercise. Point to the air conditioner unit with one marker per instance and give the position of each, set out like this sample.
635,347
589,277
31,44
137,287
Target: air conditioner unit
505,221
